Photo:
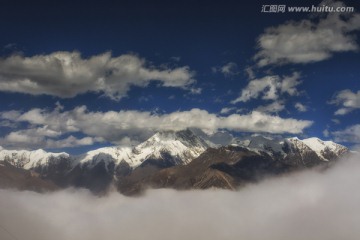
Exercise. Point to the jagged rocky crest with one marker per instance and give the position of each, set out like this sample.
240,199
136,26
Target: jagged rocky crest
180,160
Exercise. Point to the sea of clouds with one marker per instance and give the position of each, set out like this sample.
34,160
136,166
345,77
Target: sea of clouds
307,205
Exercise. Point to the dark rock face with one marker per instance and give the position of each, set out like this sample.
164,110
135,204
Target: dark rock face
226,167
12,177
97,178
328,154
123,169
55,170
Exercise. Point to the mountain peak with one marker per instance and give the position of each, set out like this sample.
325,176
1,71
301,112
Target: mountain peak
181,145
324,149
175,147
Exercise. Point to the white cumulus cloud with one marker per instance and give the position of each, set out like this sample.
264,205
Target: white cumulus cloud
348,101
270,88
350,134
227,110
229,69
67,74
300,107
274,107
309,40
114,126
43,137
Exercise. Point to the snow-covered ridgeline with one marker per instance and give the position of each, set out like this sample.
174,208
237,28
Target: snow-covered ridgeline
178,147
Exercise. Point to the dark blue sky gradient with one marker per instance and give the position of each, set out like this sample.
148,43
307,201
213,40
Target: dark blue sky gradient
203,34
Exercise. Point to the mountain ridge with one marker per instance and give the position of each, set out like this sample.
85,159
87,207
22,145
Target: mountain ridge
152,148
133,168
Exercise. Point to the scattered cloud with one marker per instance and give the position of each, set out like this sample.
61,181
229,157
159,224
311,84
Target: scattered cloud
7,124
350,134
309,40
176,59
43,137
114,126
274,107
348,101
10,46
326,133
343,111
68,142
228,69
195,91
270,88
336,121
250,72
227,110
67,74
306,205
300,107
145,98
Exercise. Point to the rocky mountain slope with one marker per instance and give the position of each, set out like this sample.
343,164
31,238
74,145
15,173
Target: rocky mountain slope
12,177
234,166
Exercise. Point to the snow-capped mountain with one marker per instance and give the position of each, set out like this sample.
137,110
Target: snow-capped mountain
177,148
289,147
193,160
98,169
327,150
31,159
261,143
174,147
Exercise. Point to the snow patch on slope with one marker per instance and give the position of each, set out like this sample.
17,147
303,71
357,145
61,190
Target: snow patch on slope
321,147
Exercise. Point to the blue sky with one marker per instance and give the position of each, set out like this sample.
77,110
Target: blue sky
80,75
